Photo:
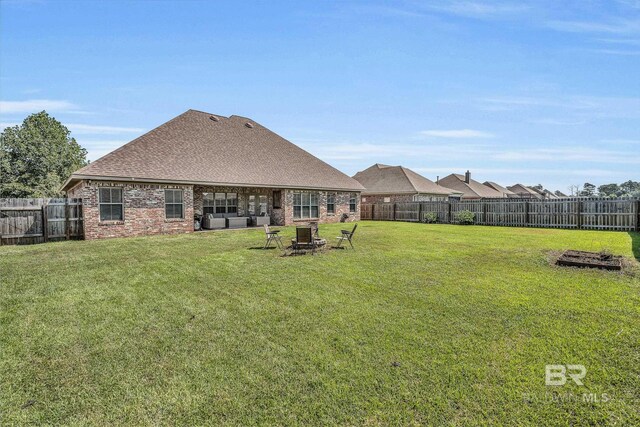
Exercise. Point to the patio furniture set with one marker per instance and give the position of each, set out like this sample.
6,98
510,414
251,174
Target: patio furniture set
215,222
307,238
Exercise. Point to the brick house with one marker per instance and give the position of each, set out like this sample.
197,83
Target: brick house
504,190
525,192
397,184
470,188
199,164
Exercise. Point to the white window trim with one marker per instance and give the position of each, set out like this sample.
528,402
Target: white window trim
174,203
293,205
104,203
335,196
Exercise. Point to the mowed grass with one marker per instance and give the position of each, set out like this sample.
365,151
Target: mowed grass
421,324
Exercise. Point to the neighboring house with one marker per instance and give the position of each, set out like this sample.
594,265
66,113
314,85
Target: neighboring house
560,194
397,184
549,194
200,163
469,188
505,191
525,192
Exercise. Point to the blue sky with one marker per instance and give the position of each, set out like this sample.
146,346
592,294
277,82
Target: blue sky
533,92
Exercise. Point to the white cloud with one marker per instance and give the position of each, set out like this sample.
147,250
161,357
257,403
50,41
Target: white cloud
98,148
623,26
580,106
35,105
558,122
457,133
620,52
82,129
513,173
479,9
622,141
632,42
568,154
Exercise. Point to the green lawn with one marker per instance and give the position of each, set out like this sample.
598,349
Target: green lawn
421,324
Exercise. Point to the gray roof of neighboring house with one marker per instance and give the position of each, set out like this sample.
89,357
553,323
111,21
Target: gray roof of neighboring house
505,191
384,179
549,194
197,147
524,191
472,190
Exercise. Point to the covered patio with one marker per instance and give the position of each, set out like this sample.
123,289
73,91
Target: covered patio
237,207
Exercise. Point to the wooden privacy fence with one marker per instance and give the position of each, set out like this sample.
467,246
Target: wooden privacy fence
25,221
578,213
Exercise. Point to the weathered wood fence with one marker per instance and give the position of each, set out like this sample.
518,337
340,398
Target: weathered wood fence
26,221
578,213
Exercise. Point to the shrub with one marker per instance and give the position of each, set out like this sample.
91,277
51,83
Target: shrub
430,217
465,217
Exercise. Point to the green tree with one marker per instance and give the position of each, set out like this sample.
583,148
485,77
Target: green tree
37,156
630,188
588,190
609,190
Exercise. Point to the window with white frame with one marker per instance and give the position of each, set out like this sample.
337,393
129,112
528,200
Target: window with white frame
111,206
173,204
257,204
331,203
208,206
221,203
305,205
353,202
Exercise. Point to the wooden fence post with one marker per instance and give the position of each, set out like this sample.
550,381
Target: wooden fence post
579,214
419,211
449,211
45,220
637,216
484,212
526,213
394,211
67,222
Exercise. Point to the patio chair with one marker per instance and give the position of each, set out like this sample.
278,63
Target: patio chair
272,236
315,230
346,235
304,240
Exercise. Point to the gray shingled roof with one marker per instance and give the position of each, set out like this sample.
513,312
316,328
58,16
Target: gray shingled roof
524,191
197,147
473,189
505,191
383,179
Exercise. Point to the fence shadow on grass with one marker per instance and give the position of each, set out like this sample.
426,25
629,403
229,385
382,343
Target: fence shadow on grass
635,244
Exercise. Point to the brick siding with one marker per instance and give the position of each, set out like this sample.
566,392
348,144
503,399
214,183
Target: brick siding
341,207
144,210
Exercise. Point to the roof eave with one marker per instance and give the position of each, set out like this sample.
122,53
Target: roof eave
79,177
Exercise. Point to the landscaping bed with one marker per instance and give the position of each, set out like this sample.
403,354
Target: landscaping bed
605,261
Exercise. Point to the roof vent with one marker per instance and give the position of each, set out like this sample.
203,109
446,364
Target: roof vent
249,125
214,118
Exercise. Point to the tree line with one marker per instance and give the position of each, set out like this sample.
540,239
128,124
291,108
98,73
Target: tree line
626,189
